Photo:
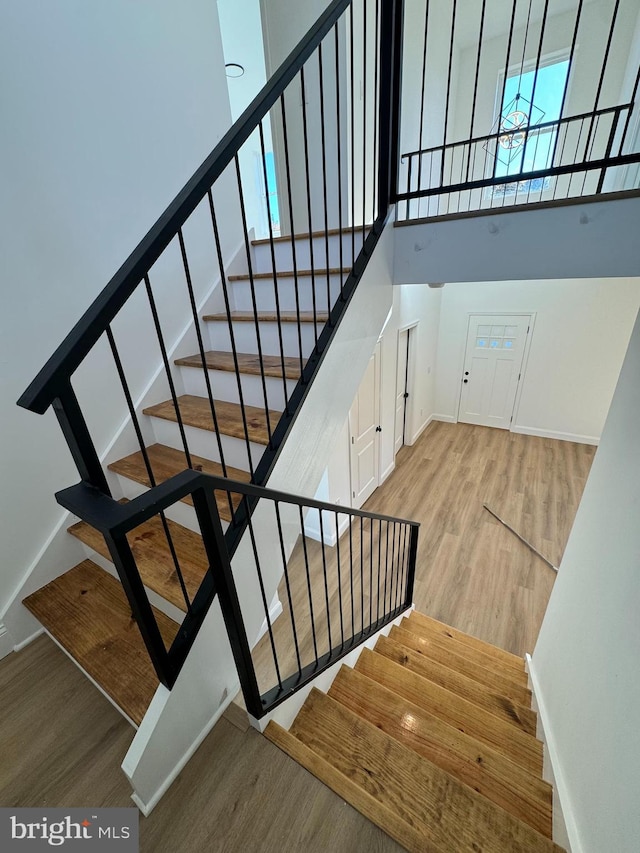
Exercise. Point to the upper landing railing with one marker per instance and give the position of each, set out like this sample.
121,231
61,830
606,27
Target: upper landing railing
540,107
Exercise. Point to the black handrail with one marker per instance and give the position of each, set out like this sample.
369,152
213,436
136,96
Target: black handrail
115,520
55,374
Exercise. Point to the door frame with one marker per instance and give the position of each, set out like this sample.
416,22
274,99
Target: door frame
411,329
377,351
525,356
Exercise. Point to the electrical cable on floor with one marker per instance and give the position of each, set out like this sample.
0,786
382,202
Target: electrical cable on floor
521,538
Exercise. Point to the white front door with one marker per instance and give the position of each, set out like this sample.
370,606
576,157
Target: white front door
364,425
492,368
401,389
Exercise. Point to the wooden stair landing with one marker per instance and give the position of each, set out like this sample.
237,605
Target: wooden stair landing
428,750
87,613
196,412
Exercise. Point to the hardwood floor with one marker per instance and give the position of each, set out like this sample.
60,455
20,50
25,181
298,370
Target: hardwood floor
472,574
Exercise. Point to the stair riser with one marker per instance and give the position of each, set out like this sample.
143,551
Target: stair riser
265,293
224,386
284,253
246,338
204,443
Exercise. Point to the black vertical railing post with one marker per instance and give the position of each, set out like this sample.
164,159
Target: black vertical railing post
141,609
206,508
391,28
411,572
75,430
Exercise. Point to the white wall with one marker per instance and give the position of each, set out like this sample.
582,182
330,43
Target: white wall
586,658
108,111
577,240
580,335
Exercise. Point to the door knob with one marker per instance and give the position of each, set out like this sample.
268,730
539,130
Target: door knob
378,429
465,381
466,373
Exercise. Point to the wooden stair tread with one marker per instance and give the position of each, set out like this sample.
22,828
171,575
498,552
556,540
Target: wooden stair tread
247,363
166,462
515,744
196,412
261,276
443,653
287,238
268,317
475,764
408,836
87,612
153,557
424,796
485,654
496,703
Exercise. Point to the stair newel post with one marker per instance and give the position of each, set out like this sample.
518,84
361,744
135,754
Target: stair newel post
204,503
141,610
413,554
76,433
391,30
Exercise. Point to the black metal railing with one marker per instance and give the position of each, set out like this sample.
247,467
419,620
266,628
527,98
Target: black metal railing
336,589
544,114
336,153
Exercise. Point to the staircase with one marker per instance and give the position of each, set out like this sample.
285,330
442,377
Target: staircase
85,610
431,736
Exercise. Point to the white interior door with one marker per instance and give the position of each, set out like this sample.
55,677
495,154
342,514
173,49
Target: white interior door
401,389
492,368
364,424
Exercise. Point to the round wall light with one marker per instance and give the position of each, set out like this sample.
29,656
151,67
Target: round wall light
232,69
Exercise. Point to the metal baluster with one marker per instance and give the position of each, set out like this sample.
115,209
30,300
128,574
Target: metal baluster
475,84
364,121
424,77
605,60
203,357
324,179
234,352
386,566
167,369
339,581
275,272
629,112
353,628
353,141
446,109
263,593
393,564
379,564
370,570
376,70
361,579
305,136
326,584
147,463
253,298
339,159
306,567
294,631
566,82
293,230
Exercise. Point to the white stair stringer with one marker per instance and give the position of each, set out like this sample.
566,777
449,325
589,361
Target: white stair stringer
178,720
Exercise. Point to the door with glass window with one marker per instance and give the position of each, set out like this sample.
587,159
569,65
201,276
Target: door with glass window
492,368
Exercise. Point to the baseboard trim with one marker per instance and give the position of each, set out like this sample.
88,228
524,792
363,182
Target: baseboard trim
421,429
387,472
561,436
446,419
6,643
565,830
275,610
147,807
26,642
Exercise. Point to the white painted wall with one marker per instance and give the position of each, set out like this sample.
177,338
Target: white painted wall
586,658
578,240
581,332
109,111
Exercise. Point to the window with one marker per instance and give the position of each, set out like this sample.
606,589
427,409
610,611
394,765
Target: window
518,151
